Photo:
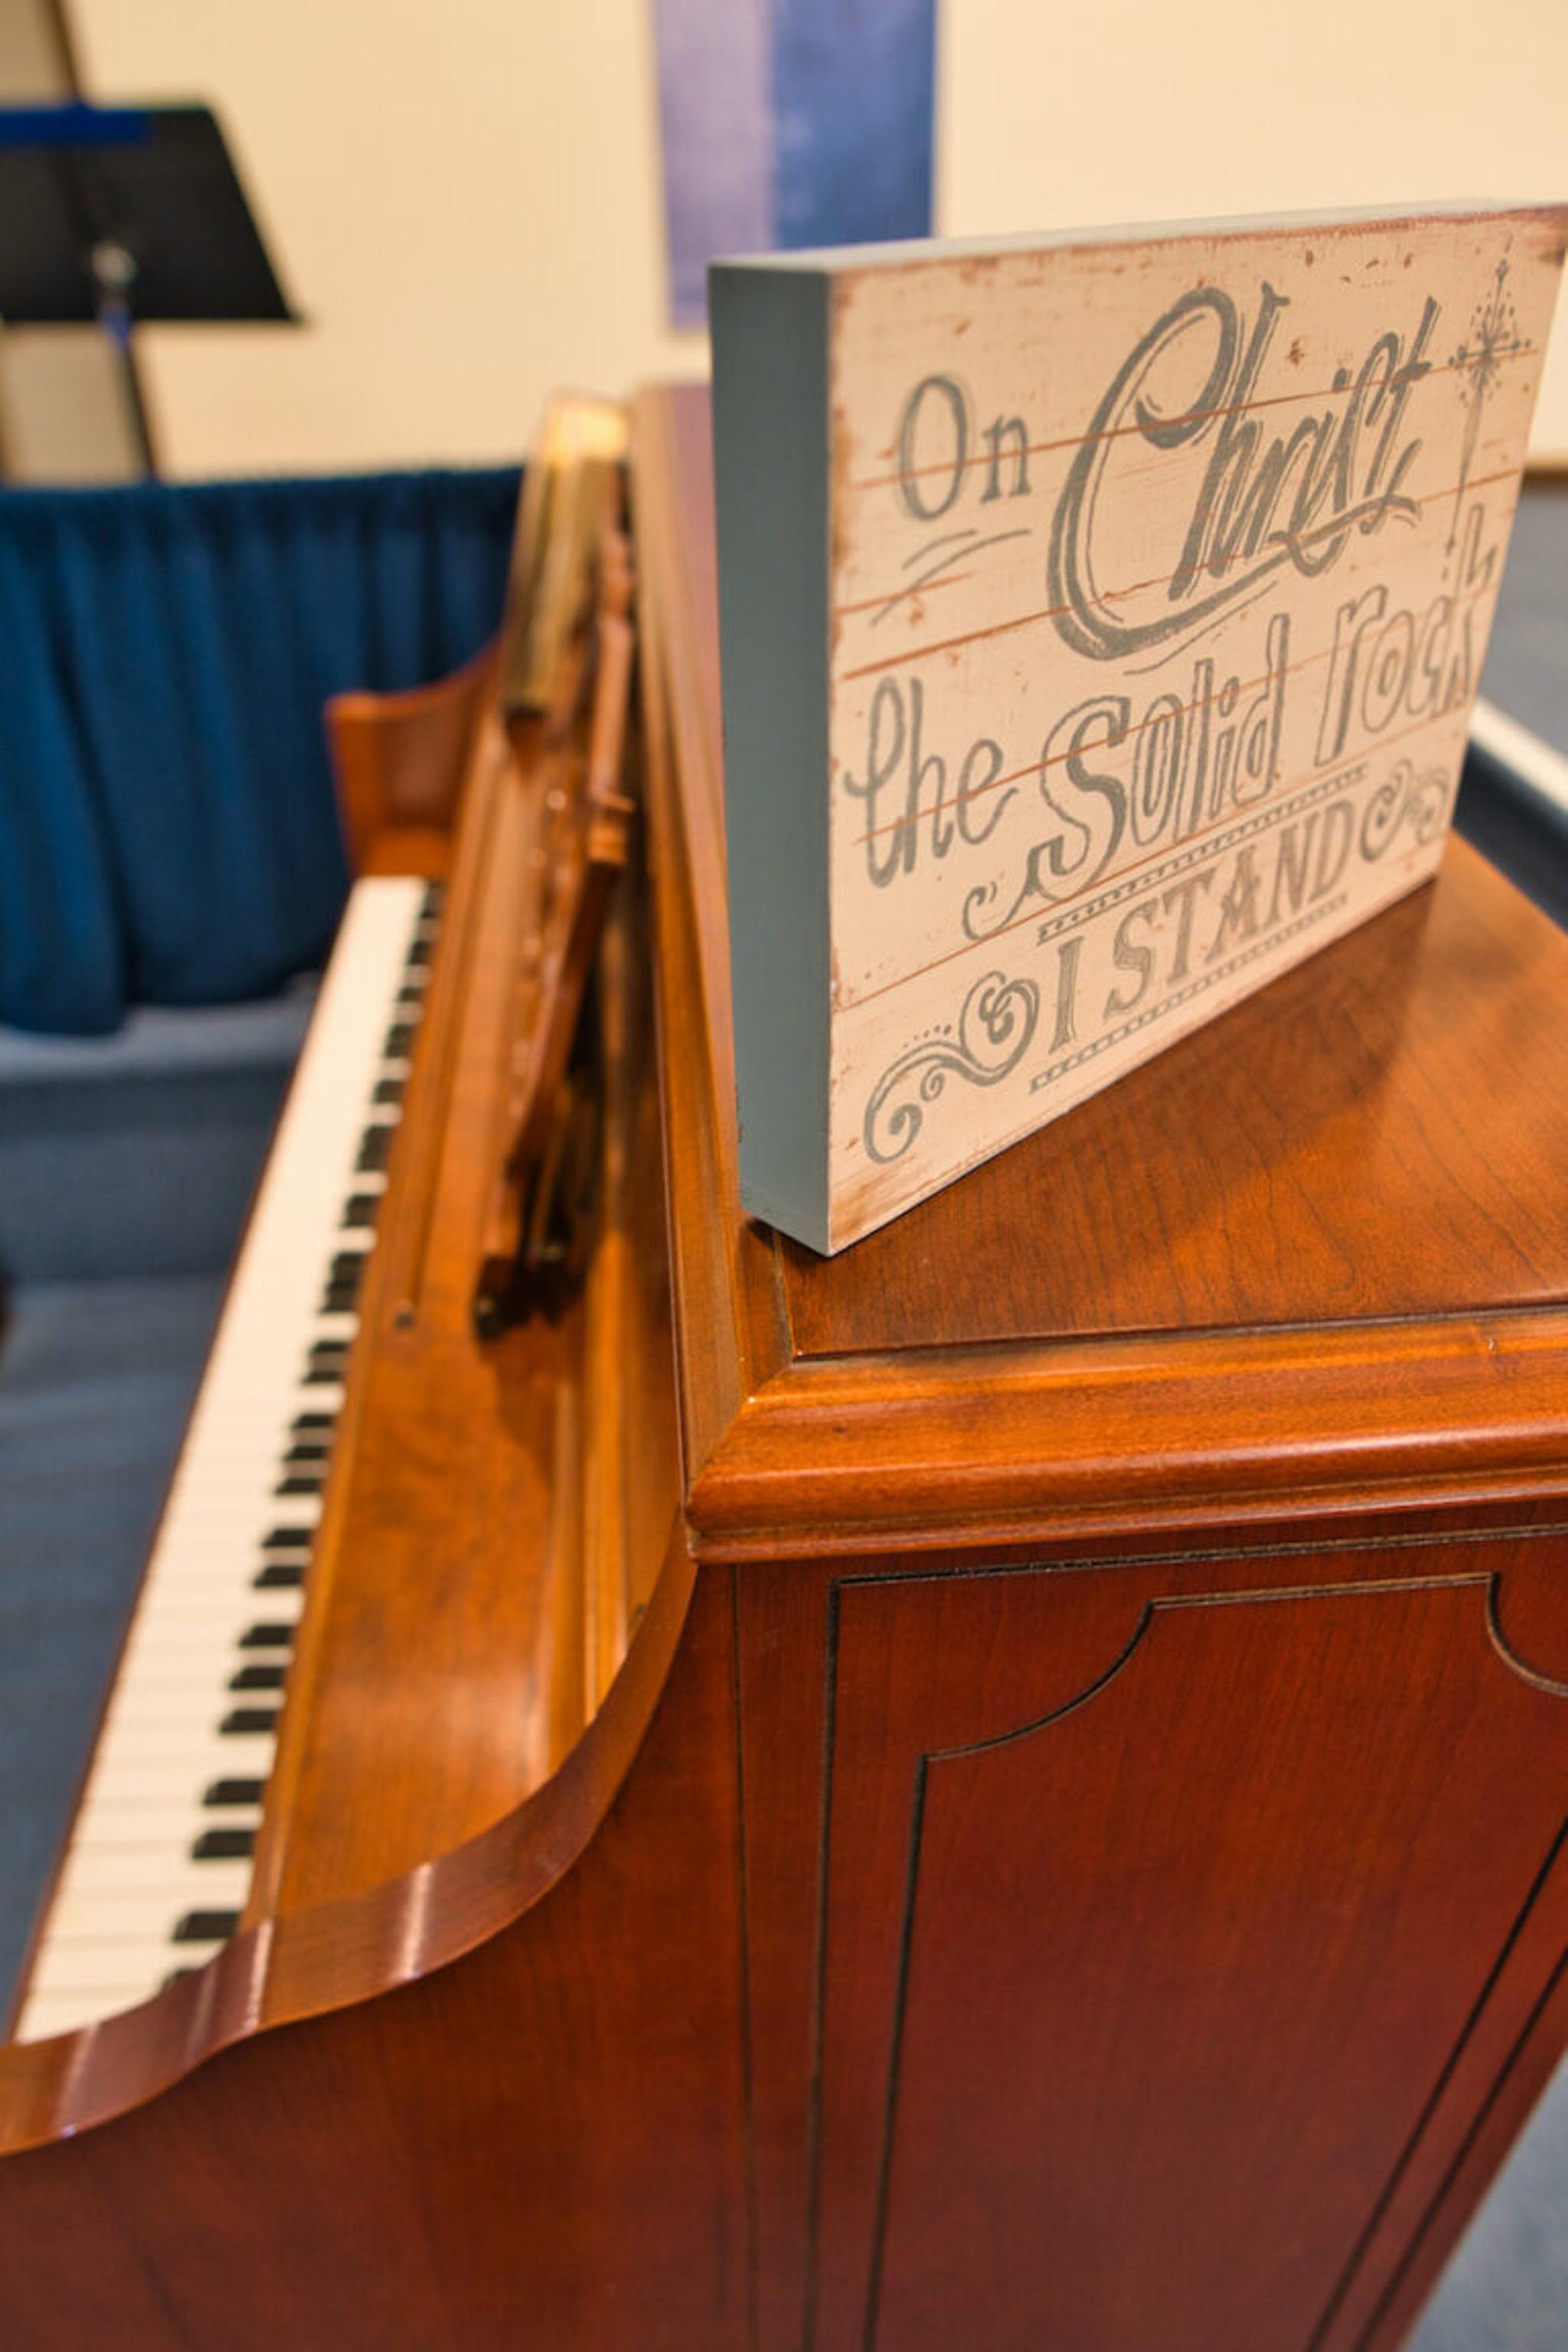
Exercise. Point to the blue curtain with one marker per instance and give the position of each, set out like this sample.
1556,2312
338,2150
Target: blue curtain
168,833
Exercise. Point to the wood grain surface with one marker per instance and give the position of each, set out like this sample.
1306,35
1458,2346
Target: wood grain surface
1328,1234
1203,1360
399,762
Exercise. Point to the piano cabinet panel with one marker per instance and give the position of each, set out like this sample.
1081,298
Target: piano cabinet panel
1181,1919
540,2144
1218,2052
1139,1949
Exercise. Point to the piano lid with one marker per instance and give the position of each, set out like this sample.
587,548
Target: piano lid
1320,1245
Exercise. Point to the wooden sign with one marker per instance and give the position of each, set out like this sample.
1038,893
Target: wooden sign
1100,622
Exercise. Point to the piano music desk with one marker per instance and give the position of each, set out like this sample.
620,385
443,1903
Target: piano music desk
1073,1854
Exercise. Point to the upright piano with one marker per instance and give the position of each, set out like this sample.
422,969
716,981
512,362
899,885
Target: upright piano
1008,1788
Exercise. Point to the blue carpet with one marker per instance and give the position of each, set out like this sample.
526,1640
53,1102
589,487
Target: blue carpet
1506,2289
1527,663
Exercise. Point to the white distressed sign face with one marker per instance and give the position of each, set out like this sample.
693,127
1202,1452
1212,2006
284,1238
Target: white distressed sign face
1161,579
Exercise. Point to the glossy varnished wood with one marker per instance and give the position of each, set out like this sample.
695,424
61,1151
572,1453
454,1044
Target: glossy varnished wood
501,1605
1423,1061
400,760
1029,1812
1150,1944
1319,1248
1141,1857
1289,1990
540,2144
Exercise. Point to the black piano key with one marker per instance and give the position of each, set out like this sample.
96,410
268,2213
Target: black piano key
279,1576
223,1846
235,1793
328,1361
359,1210
399,1042
300,1482
388,1090
410,1003
306,1450
339,1298
241,1720
287,1540
304,1421
435,898
348,1265
267,1637
208,1927
258,1678
375,1151
420,952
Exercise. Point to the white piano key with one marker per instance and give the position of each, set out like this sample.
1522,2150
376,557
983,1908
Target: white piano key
109,1900
188,1616
148,1779
334,1327
232,1755
205,1518
155,1671
163,1826
46,2014
115,1822
185,1624
187,1607
80,1967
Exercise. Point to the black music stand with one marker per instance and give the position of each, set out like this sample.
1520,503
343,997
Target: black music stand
126,215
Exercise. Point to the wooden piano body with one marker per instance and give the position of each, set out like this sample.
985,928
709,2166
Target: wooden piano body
1005,1789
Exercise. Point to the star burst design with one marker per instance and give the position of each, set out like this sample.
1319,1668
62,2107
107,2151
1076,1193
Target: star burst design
1493,337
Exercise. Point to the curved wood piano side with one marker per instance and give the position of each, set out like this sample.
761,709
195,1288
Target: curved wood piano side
449,2009
538,2143
399,762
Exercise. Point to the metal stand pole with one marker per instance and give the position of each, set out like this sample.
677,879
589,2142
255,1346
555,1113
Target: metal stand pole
114,279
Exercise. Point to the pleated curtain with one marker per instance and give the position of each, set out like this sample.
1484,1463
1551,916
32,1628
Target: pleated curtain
167,828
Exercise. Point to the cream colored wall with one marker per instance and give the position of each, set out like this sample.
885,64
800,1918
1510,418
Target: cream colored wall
465,197
1133,110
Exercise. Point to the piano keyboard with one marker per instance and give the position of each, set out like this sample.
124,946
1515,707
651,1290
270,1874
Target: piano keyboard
159,1863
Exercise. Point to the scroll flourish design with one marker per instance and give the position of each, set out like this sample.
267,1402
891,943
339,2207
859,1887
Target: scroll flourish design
1420,801
997,1020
